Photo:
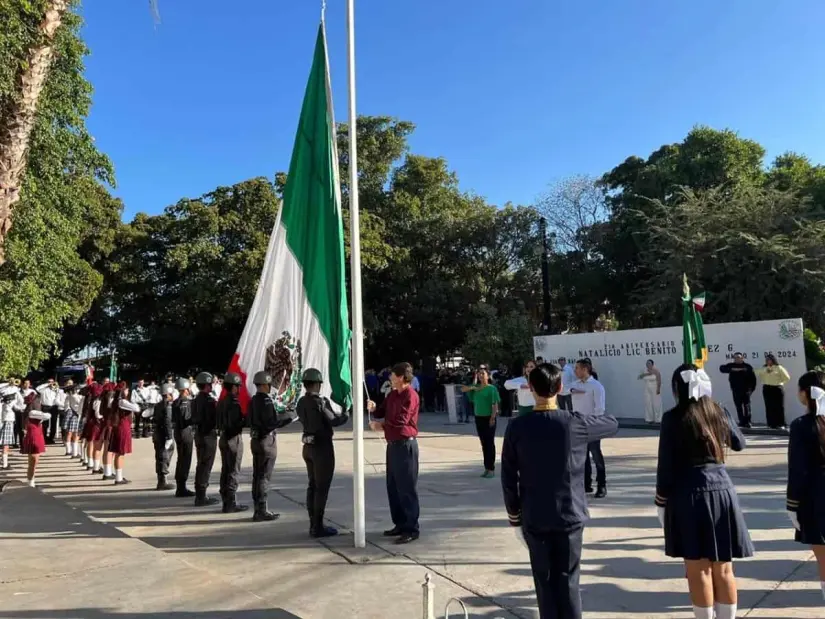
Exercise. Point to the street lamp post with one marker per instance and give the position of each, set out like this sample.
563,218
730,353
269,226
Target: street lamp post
545,276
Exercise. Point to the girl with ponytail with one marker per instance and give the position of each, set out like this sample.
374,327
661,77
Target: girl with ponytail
806,469
695,498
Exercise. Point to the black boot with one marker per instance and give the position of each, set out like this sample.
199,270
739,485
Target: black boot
201,500
323,531
183,492
262,514
231,505
162,484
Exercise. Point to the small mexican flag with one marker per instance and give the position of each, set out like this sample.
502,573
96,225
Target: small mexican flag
693,329
299,318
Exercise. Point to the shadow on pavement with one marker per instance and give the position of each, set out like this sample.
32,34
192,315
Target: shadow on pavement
102,613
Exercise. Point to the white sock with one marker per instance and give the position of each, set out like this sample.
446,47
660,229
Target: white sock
68,449
700,612
76,448
31,482
725,611
822,584
107,469
5,460
119,475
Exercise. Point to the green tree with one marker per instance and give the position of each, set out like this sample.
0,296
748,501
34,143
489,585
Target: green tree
63,221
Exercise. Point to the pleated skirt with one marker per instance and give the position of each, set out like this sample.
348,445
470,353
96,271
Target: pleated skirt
703,519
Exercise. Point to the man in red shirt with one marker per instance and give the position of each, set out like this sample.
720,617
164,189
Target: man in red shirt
398,418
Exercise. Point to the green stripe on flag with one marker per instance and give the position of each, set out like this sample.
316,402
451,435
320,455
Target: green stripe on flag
312,218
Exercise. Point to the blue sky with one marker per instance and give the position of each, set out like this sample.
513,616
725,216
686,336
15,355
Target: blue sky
514,95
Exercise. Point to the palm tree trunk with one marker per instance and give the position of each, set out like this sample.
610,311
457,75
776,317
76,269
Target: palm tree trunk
18,118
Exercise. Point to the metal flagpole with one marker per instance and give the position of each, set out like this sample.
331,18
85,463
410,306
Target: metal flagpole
359,516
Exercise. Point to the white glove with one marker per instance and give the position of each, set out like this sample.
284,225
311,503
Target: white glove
660,512
168,444
794,520
147,413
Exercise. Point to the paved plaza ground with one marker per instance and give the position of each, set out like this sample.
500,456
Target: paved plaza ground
80,547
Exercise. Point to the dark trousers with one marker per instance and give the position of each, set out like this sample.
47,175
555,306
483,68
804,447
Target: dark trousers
565,402
595,449
18,427
742,401
184,439
206,446
264,453
163,456
57,417
402,484
555,558
487,436
774,405
231,459
320,460
143,425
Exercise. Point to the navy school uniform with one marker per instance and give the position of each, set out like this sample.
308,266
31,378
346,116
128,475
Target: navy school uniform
806,480
703,519
542,476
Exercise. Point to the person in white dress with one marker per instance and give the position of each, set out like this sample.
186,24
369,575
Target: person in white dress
653,392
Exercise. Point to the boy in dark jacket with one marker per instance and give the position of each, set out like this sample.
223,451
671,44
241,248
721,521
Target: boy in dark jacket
542,476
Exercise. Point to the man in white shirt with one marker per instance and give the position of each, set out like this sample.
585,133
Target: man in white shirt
49,393
568,377
589,399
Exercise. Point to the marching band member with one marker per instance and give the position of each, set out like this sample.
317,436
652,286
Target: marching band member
71,423
120,445
806,469
92,427
48,393
106,424
34,442
19,408
8,397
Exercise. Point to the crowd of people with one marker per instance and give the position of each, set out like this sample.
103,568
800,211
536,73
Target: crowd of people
98,421
545,470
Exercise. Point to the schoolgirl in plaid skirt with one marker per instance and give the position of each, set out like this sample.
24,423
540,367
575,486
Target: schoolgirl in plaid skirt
8,398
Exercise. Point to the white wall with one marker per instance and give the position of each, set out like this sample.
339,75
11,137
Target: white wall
619,357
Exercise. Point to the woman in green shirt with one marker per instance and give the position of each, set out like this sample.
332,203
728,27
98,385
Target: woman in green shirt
485,400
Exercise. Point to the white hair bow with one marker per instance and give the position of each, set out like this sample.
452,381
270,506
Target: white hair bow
698,383
818,394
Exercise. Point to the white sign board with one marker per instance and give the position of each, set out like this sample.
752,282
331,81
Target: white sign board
619,357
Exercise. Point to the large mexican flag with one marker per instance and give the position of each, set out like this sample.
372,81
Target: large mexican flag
299,318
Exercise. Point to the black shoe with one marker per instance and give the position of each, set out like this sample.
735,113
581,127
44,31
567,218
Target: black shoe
205,501
234,508
264,517
108,477
600,493
324,532
406,538
184,493
97,471
122,482
164,486
394,532
588,490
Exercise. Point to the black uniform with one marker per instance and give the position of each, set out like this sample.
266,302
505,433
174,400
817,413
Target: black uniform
230,423
318,419
205,419
163,431
542,475
702,518
263,423
806,480
184,438
742,381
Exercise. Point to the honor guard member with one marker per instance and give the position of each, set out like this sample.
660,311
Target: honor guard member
184,436
205,419
231,422
316,415
163,435
264,421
